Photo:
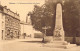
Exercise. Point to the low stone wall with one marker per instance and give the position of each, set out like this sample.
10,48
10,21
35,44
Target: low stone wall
78,40
69,39
38,35
72,40
48,38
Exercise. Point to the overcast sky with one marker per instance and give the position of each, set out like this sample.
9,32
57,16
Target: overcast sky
21,6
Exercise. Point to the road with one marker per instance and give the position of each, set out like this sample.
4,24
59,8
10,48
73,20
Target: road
30,45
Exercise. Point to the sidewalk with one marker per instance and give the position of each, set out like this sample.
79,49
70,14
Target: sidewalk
30,39
6,41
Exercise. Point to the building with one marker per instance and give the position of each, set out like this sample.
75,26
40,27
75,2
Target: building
26,28
2,23
9,23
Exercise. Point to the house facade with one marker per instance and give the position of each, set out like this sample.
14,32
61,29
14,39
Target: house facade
10,23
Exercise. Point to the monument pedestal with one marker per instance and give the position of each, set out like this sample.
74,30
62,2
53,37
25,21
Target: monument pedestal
50,42
60,44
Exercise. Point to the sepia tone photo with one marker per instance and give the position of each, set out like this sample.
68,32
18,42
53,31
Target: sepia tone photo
39,25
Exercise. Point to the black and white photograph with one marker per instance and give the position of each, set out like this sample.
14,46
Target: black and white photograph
39,25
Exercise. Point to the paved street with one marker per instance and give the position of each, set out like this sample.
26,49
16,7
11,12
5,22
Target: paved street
30,45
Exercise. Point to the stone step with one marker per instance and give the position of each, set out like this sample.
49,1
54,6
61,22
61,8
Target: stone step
59,42
59,45
55,46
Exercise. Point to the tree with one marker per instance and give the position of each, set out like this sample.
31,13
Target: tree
70,18
45,16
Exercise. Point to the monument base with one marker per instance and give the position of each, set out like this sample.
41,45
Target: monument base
57,44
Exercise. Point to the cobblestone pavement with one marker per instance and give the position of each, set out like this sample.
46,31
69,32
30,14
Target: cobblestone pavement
30,45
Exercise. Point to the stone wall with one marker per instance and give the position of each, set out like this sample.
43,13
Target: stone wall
38,35
73,40
13,25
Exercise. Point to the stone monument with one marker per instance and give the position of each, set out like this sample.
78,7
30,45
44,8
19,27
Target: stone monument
58,31
58,37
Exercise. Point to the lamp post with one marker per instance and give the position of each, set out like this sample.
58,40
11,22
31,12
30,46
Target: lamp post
45,28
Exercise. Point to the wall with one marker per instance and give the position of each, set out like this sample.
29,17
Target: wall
13,25
0,27
38,35
72,40
28,29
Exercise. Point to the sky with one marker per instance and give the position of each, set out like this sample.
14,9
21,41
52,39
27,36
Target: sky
21,6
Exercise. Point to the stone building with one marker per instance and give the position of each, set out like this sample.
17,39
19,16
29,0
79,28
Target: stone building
10,23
